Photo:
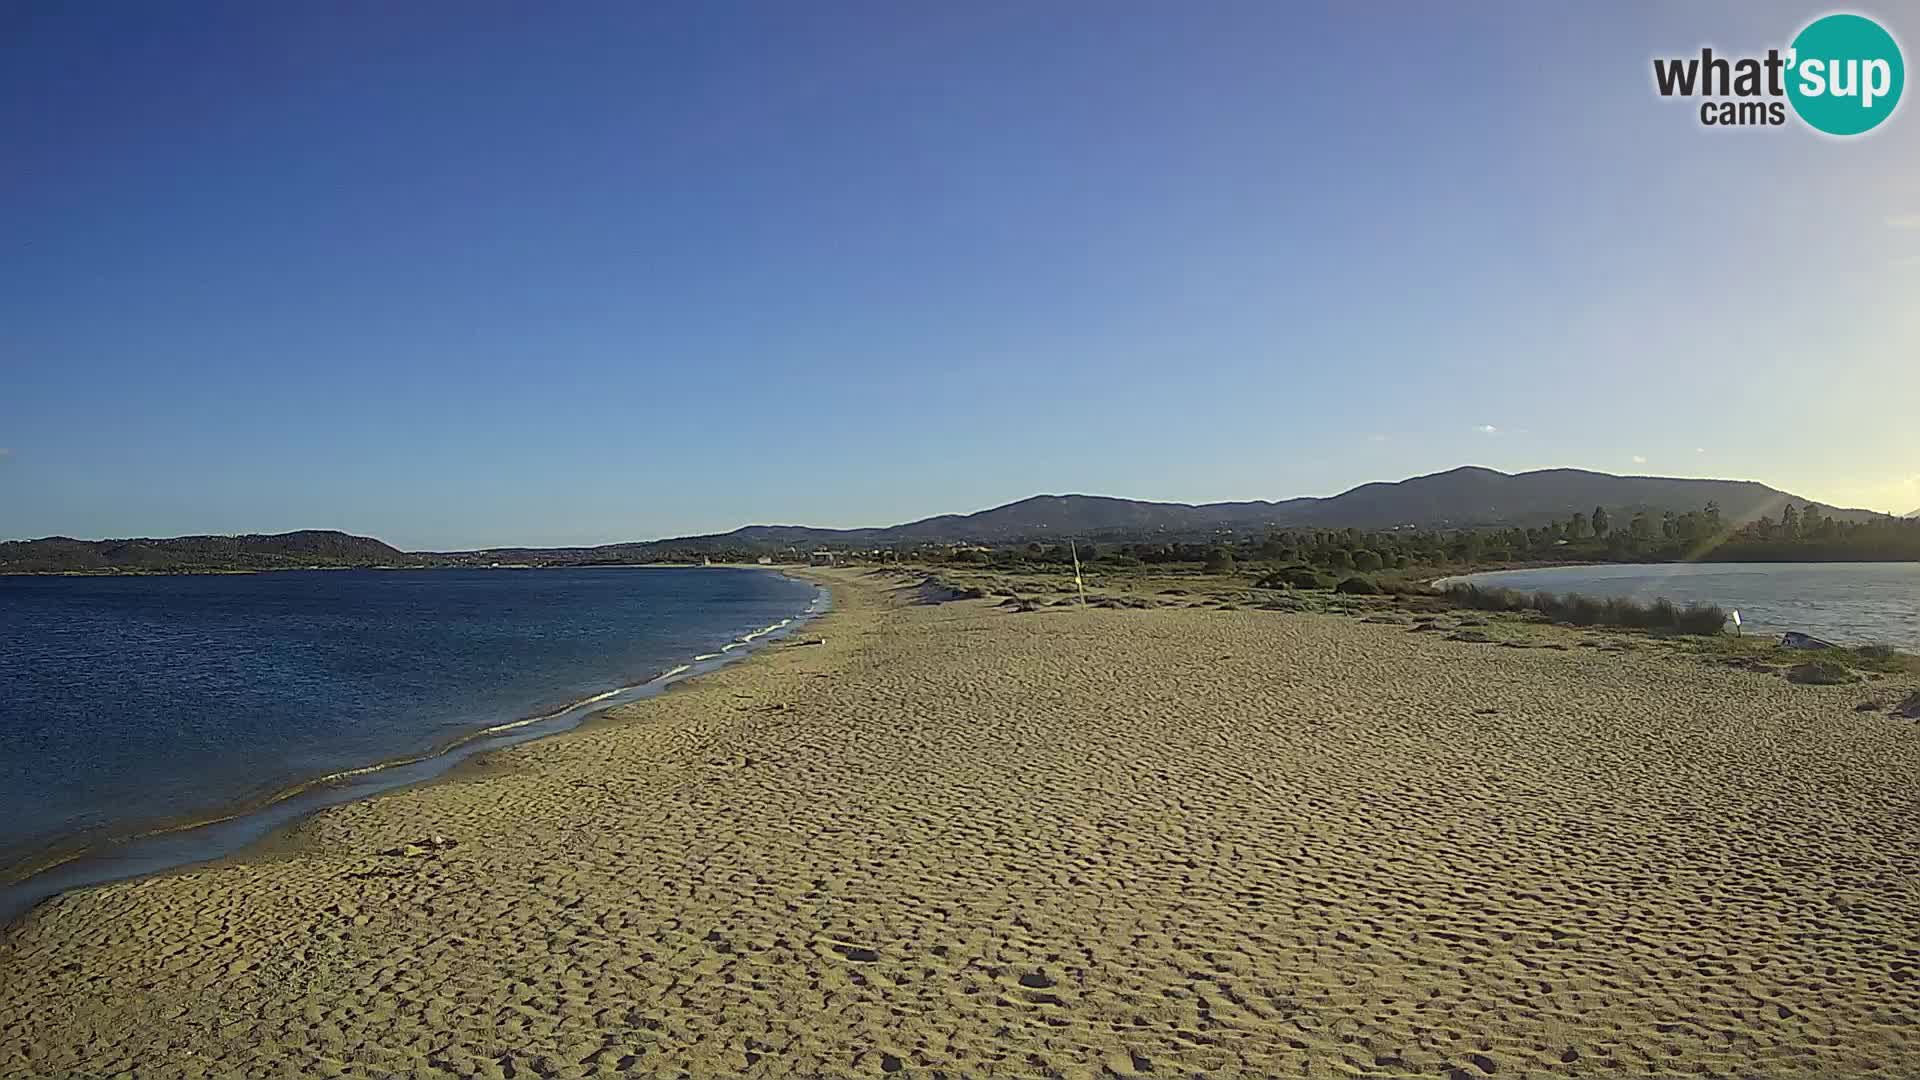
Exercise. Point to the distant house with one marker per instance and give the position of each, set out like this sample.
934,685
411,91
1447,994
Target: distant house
765,560
822,557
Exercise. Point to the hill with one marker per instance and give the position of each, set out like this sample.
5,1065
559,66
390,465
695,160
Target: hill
1467,497
279,551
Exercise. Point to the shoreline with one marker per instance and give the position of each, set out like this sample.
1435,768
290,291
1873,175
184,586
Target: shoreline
975,839
147,849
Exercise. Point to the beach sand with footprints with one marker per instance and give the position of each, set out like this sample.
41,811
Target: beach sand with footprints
960,840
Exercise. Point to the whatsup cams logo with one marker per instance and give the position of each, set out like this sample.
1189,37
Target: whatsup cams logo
1841,75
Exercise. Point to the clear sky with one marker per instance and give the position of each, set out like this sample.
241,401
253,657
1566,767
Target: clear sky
473,274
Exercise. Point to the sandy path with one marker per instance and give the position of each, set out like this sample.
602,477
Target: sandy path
954,841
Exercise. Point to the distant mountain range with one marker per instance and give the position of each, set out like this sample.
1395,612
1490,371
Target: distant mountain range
1468,497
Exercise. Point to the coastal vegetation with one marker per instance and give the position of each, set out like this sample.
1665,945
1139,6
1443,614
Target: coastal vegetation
1322,558
1576,610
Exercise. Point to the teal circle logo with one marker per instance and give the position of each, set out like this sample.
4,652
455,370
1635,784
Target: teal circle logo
1845,74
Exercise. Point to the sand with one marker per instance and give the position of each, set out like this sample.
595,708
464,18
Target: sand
954,840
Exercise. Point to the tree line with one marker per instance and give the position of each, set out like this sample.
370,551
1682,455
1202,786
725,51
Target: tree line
1798,534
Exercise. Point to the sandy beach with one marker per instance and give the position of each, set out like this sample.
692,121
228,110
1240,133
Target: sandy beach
954,840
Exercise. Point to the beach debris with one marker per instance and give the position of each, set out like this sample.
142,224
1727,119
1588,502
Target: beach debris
1424,625
857,953
804,644
1821,673
1910,707
1871,706
1036,980
431,845
1793,639
1474,636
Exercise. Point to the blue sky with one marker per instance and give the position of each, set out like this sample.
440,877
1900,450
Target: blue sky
468,274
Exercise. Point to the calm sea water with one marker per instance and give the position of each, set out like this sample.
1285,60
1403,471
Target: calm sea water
1849,603
132,701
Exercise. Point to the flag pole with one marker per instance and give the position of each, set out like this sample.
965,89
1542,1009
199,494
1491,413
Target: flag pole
1078,583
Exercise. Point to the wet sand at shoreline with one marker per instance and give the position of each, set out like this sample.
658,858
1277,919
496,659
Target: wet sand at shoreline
953,840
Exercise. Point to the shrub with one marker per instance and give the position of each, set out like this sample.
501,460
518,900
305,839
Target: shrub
1358,586
1295,577
1706,619
1580,610
1366,561
1821,673
1219,561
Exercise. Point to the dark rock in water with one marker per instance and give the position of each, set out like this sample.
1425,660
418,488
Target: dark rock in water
1473,636
1820,673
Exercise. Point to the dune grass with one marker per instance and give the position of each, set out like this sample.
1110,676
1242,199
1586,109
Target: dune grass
1661,614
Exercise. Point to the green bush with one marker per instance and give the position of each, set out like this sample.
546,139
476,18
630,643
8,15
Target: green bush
1358,586
1821,673
1662,614
1295,577
1366,561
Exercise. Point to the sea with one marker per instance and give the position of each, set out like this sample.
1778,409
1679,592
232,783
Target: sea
1847,603
152,721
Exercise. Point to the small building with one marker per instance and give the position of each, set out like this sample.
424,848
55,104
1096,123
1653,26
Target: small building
765,560
821,557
